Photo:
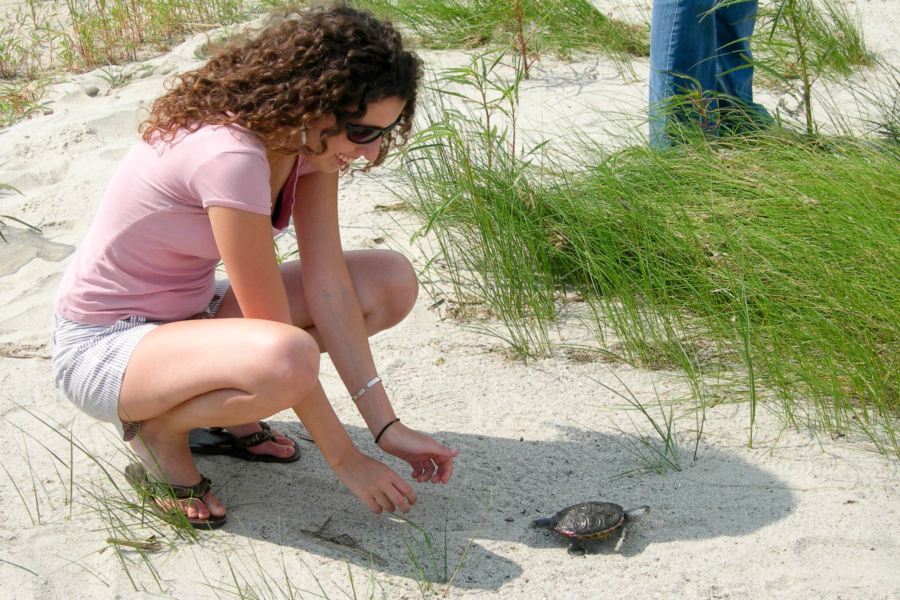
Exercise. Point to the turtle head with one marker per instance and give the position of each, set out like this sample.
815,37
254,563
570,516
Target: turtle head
636,514
546,523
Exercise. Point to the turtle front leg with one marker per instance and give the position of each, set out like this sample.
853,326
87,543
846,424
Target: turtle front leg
621,538
576,549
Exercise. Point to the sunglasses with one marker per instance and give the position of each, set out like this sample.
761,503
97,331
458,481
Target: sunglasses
366,134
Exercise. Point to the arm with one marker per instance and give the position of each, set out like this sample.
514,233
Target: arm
244,240
334,306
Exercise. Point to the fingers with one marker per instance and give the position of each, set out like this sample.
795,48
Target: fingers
386,503
436,467
442,459
381,489
444,464
402,499
444,469
373,505
398,495
447,451
427,472
407,491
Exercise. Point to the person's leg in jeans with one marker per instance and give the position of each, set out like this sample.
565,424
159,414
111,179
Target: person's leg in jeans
734,27
683,47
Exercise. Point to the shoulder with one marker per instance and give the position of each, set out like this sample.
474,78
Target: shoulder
208,141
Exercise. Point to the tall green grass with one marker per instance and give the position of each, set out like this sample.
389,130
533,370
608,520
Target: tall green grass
772,257
563,28
43,39
825,32
799,42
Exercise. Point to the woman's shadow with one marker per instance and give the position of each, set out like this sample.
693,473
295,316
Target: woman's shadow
499,487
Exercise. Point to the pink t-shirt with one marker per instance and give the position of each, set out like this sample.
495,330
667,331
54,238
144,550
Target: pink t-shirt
150,250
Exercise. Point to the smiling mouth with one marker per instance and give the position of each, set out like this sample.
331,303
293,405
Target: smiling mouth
343,158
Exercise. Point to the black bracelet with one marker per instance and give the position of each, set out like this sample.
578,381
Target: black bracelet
383,429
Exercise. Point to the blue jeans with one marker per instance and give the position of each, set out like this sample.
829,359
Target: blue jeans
690,53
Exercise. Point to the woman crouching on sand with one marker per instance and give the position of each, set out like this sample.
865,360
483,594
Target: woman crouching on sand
147,339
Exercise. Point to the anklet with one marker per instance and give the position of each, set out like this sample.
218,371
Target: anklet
362,391
383,429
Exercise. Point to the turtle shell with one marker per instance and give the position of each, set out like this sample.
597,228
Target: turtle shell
590,520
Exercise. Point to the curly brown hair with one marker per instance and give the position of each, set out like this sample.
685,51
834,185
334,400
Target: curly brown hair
299,68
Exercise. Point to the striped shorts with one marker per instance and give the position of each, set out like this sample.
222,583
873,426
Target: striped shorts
89,361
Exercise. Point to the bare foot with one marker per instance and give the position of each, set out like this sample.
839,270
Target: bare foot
167,458
280,447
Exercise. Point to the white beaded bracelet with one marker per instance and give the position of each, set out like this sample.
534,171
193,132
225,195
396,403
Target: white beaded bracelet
358,394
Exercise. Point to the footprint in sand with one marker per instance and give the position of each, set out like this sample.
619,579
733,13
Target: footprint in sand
23,245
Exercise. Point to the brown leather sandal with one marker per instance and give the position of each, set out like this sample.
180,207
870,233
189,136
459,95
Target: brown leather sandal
154,490
215,440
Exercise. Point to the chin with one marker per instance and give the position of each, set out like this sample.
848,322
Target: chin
328,165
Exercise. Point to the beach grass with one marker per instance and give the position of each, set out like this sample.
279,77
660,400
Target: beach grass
770,257
58,477
41,41
799,42
561,28
22,98
825,32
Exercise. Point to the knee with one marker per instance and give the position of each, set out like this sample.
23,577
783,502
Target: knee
289,366
400,288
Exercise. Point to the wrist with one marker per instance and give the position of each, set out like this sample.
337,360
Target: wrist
392,437
380,435
339,458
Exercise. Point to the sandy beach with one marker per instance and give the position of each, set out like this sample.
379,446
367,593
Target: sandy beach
798,515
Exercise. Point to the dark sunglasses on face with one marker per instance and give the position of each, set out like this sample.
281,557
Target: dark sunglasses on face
366,134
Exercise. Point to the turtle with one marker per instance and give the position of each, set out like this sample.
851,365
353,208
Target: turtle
590,521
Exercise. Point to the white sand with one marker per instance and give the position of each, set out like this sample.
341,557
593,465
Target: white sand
800,518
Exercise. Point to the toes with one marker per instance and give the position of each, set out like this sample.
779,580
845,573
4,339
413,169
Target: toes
273,449
192,510
282,439
216,508
208,506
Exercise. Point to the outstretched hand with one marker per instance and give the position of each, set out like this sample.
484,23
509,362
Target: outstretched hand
429,459
375,484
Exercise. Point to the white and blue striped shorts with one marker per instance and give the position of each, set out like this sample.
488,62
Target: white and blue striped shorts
89,361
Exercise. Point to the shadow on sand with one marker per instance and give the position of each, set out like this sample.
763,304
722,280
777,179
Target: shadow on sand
529,479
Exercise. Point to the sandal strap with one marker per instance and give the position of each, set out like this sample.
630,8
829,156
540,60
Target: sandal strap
179,492
254,439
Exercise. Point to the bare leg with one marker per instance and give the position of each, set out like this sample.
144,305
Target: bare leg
230,372
197,373
386,285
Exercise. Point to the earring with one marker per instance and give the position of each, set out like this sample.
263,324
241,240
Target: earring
303,136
